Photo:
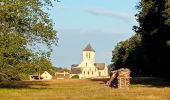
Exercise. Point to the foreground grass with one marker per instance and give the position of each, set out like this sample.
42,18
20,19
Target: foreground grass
74,89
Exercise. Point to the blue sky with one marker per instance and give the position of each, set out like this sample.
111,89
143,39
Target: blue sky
102,23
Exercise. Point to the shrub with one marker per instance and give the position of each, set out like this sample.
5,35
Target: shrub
75,77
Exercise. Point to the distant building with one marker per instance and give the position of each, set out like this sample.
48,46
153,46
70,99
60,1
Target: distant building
43,76
88,68
46,76
62,75
34,77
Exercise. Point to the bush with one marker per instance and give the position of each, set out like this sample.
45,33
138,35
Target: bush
75,77
23,76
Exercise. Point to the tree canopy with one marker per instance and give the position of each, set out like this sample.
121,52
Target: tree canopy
27,18
126,53
23,25
152,58
154,26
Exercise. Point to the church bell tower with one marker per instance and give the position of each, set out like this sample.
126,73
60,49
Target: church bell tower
89,53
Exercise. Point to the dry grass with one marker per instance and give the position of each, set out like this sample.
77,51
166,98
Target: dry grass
74,89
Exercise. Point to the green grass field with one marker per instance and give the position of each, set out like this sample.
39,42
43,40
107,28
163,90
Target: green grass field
80,89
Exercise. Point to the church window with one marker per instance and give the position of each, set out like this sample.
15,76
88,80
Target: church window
92,72
86,64
88,73
99,73
89,55
84,72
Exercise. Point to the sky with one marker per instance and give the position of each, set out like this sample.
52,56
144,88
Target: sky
102,23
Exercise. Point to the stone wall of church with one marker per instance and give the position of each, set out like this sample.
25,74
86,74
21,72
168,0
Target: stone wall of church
89,72
103,73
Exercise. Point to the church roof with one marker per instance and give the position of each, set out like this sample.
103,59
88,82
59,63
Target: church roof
100,66
76,71
88,48
74,65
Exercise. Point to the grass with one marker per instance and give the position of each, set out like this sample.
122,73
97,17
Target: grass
83,89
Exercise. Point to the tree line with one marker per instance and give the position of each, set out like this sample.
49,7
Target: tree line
147,53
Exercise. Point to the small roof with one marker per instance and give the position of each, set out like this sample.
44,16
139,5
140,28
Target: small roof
76,71
88,48
100,66
74,65
45,73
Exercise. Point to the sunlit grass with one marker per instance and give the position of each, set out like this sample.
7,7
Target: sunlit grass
74,89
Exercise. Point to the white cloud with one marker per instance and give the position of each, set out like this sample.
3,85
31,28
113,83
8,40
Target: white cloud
88,30
124,16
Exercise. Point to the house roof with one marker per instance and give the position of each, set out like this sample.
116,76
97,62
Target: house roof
88,48
76,71
74,65
45,73
100,66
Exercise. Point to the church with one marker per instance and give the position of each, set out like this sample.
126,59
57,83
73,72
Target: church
88,68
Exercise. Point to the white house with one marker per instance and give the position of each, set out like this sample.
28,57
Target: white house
88,68
46,76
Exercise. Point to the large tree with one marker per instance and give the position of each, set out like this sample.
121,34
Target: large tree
127,53
154,27
23,24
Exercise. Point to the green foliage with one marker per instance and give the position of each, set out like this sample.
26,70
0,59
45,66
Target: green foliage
42,64
28,19
154,27
166,12
126,52
147,54
23,76
75,77
23,24
13,55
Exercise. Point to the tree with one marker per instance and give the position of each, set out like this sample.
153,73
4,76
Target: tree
13,55
27,18
23,23
126,53
154,27
42,64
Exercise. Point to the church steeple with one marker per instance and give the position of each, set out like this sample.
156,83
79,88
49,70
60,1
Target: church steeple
89,53
88,48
